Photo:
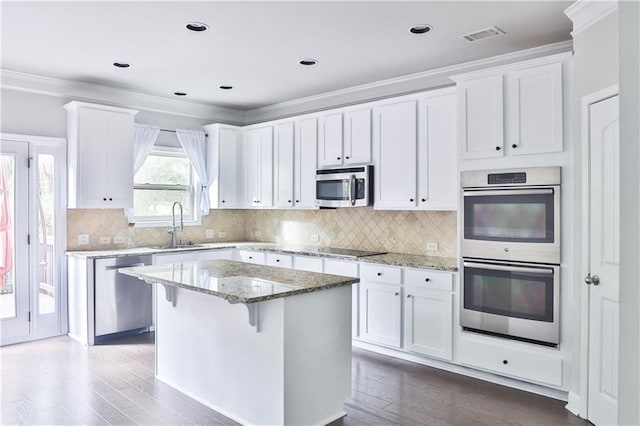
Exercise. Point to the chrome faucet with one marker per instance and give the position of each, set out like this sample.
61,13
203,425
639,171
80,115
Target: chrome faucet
172,230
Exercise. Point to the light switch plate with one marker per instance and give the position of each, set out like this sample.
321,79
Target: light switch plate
315,237
118,240
105,240
83,239
432,246
209,233
222,234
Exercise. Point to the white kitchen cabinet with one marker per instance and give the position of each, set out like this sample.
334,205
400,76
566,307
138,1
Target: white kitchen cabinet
259,166
481,117
279,260
437,151
357,136
514,110
395,137
305,163
344,137
223,163
307,263
428,321
381,304
534,110
283,161
249,256
347,269
99,156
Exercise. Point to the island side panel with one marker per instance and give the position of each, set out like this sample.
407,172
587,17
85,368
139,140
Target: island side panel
317,355
206,348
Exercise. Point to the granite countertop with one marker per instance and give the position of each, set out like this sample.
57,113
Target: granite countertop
238,282
396,259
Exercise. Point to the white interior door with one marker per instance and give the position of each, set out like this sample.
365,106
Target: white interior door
14,250
604,259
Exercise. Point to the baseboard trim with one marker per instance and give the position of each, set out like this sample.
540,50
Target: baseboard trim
573,406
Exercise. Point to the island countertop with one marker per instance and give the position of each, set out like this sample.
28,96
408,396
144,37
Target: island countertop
237,282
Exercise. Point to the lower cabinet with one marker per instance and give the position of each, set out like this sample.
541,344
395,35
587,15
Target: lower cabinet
381,313
428,322
256,257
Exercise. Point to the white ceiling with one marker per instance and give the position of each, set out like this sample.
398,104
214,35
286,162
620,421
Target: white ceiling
256,46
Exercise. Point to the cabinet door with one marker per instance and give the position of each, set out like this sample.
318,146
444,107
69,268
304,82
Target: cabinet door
437,153
252,170
380,313
480,118
93,139
330,140
119,158
228,165
395,145
534,110
266,167
283,165
305,164
428,322
357,136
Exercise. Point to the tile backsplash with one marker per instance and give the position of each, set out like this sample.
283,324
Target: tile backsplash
358,228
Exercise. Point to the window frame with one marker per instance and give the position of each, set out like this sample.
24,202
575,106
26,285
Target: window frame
165,221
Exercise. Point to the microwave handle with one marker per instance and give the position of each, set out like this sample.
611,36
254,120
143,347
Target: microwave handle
540,271
478,193
352,190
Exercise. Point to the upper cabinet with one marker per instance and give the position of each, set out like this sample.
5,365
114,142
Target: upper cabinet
99,156
513,111
259,166
344,137
223,163
283,165
305,163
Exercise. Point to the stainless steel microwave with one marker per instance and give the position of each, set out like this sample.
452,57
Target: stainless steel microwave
344,187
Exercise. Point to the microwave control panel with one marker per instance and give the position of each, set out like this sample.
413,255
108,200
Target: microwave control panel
506,178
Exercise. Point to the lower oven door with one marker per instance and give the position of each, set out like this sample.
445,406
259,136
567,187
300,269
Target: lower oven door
519,301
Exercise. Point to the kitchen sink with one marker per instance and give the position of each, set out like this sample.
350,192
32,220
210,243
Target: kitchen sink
178,247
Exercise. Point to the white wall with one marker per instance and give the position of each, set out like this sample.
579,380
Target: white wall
595,67
629,391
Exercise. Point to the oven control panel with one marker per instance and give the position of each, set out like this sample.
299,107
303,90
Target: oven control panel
506,178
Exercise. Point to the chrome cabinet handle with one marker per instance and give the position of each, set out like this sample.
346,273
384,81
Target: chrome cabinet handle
592,279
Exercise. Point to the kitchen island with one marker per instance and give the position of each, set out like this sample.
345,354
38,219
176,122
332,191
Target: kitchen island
259,344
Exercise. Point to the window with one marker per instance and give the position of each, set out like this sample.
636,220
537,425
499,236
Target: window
165,177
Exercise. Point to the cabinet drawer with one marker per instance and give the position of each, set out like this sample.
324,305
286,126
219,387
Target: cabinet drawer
528,363
341,267
252,257
306,263
429,279
381,274
279,260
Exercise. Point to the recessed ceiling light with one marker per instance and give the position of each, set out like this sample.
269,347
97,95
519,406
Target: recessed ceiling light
197,26
226,87
121,65
179,93
420,29
308,62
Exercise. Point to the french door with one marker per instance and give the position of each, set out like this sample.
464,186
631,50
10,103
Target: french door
32,235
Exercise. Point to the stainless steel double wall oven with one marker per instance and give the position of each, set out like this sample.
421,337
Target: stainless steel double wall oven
511,253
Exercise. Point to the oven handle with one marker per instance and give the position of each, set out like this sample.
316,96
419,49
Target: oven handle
540,271
477,193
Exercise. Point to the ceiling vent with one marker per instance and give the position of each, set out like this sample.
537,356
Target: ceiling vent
482,34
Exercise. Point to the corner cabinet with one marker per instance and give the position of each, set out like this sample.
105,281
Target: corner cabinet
259,166
99,156
513,110
223,160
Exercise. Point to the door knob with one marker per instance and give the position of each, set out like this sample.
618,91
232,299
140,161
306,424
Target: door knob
592,279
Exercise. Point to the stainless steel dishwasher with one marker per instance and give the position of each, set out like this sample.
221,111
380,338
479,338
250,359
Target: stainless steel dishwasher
122,303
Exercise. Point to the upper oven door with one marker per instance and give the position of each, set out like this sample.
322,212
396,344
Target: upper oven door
516,224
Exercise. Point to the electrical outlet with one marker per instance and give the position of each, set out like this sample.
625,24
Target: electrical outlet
222,234
432,246
118,240
315,238
209,233
83,239
257,233
105,240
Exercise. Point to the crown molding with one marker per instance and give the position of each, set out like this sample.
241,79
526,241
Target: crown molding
407,84
91,92
585,13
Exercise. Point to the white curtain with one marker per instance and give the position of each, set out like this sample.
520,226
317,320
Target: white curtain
144,136
193,143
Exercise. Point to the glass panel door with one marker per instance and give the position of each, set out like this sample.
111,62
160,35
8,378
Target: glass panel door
14,258
46,250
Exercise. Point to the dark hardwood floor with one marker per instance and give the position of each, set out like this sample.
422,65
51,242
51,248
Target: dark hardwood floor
58,381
